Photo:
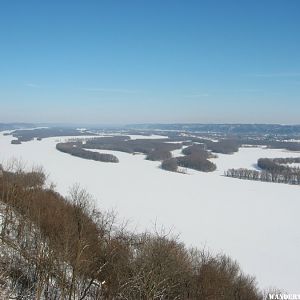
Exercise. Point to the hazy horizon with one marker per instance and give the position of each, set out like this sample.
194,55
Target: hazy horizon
95,124
114,62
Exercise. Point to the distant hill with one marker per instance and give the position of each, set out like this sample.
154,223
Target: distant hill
13,126
224,128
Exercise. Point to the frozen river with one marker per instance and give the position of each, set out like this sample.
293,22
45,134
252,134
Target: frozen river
255,223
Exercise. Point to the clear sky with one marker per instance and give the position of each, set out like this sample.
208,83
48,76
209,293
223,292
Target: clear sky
128,61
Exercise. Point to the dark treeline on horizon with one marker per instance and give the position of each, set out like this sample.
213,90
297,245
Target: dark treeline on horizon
234,128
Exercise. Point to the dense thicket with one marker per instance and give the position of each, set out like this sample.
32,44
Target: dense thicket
76,150
196,157
271,143
57,248
197,162
225,146
196,148
15,142
170,165
291,146
270,165
287,160
159,155
40,133
157,150
157,147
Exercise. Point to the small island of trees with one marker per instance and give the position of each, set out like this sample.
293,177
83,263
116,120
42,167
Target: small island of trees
76,150
195,158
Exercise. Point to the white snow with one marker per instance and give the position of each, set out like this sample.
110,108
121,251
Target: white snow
149,137
292,140
178,152
255,223
247,158
132,136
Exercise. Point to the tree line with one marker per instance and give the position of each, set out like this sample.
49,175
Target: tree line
54,247
271,171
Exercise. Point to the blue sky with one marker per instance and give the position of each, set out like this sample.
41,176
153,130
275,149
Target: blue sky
150,61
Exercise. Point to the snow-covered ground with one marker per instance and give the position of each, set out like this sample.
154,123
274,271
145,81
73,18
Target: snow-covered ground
178,152
132,136
253,222
149,137
292,140
247,158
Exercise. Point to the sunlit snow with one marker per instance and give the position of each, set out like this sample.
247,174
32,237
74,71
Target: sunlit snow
254,222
